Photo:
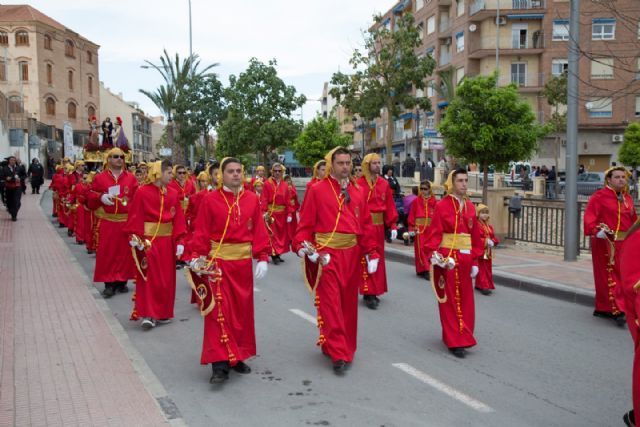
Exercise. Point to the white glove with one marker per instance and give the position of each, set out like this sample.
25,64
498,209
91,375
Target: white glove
474,271
261,269
136,245
301,252
601,234
192,266
179,250
490,243
289,218
435,261
106,199
314,258
451,263
412,234
372,265
394,234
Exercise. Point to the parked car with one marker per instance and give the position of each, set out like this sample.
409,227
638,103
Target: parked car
587,183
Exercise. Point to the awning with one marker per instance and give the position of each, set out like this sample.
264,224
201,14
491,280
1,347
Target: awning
407,116
460,34
443,104
429,113
526,16
400,6
604,21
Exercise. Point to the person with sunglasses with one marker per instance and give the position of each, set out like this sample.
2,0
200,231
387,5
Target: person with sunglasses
379,198
278,212
182,185
111,192
419,219
203,184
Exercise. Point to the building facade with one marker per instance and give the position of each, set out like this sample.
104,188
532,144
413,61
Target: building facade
526,41
49,74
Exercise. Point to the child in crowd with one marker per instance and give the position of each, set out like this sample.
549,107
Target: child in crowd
484,280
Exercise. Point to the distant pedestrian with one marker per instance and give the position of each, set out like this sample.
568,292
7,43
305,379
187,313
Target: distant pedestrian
36,175
13,176
551,183
23,176
484,279
419,219
581,170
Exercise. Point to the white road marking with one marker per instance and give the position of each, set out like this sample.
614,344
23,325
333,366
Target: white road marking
444,388
306,316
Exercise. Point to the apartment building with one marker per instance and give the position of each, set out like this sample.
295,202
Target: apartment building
526,41
49,74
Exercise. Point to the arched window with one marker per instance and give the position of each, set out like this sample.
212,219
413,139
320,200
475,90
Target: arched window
91,111
4,38
69,48
47,42
70,78
49,74
22,38
15,105
89,57
71,110
50,105
90,85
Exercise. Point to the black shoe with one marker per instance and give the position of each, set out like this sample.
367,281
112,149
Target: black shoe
485,291
220,372
60,225
80,242
242,368
603,314
69,232
275,259
629,419
109,290
122,288
339,366
14,219
279,259
620,320
376,300
457,352
54,215
427,275
422,274
370,302
89,251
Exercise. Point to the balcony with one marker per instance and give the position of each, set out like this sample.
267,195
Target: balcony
445,58
526,82
480,10
532,44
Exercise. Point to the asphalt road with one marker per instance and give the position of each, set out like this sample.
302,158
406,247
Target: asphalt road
539,361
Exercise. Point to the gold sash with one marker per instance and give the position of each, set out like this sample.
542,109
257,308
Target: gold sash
231,251
423,221
277,208
114,217
377,218
621,235
461,242
164,230
338,241
184,203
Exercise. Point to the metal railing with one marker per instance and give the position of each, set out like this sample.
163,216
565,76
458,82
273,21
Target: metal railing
522,79
445,58
528,4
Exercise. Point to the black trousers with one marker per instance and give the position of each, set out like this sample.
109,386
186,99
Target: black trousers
35,188
13,196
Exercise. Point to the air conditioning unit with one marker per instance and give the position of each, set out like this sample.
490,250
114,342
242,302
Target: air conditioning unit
501,20
617,138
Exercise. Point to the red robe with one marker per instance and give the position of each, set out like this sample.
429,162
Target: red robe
233,314
276,202
603,208
192,211
113,256
63,199
484,279
379,198
454,287
421,211
294,206
336,294
156,288
184,192
630,273
72,180
80,193
56,182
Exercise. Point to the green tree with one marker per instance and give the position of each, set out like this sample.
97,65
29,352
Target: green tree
318,137
259,112
385,73
555,90
489,125
630,151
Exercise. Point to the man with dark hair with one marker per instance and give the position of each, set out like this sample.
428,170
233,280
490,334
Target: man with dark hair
334,232
13,177
156,227
607,217
36,175
453,245
277,212
229,230
212,170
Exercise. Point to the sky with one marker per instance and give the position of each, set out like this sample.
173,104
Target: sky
309,39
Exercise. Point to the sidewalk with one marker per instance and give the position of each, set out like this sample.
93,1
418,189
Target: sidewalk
60,362
525,269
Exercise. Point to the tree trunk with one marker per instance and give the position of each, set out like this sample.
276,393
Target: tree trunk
485,183
388,138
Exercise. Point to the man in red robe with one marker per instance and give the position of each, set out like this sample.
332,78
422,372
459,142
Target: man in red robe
183,186
278,212
80,195
202,189
73,179
607,217
56,181
379,197
453,246
229,231
319,169
419,219
260,171
63,196
156,227
334,233
91,220
484,279
111,191
294,208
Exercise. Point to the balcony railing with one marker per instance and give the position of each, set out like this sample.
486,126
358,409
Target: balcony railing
445,58
445,24
535,41
522,79
528,4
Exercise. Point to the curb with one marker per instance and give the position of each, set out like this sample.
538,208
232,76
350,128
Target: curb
510,280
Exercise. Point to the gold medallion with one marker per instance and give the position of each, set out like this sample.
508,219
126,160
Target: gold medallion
144,263
441,282
173,211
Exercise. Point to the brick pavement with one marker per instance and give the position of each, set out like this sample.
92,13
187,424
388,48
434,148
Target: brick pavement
60,363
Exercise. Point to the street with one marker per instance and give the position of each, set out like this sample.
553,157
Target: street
539,361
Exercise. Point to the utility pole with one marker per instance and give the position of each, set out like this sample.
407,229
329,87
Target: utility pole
571,231
498,43
191,148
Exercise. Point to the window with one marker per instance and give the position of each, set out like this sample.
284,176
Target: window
47,42
431,24
460,42
91,111
459,75
603,29
430,91
70,78
50,105
49,74
421,30
90,85
71,110
419,4
460,7
387,24
15,105
602,68
430,122
89,57
560,29
69,49
4,38
519,36
559,66
637,106
3,71
23,69
600,107
519,73
22,38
